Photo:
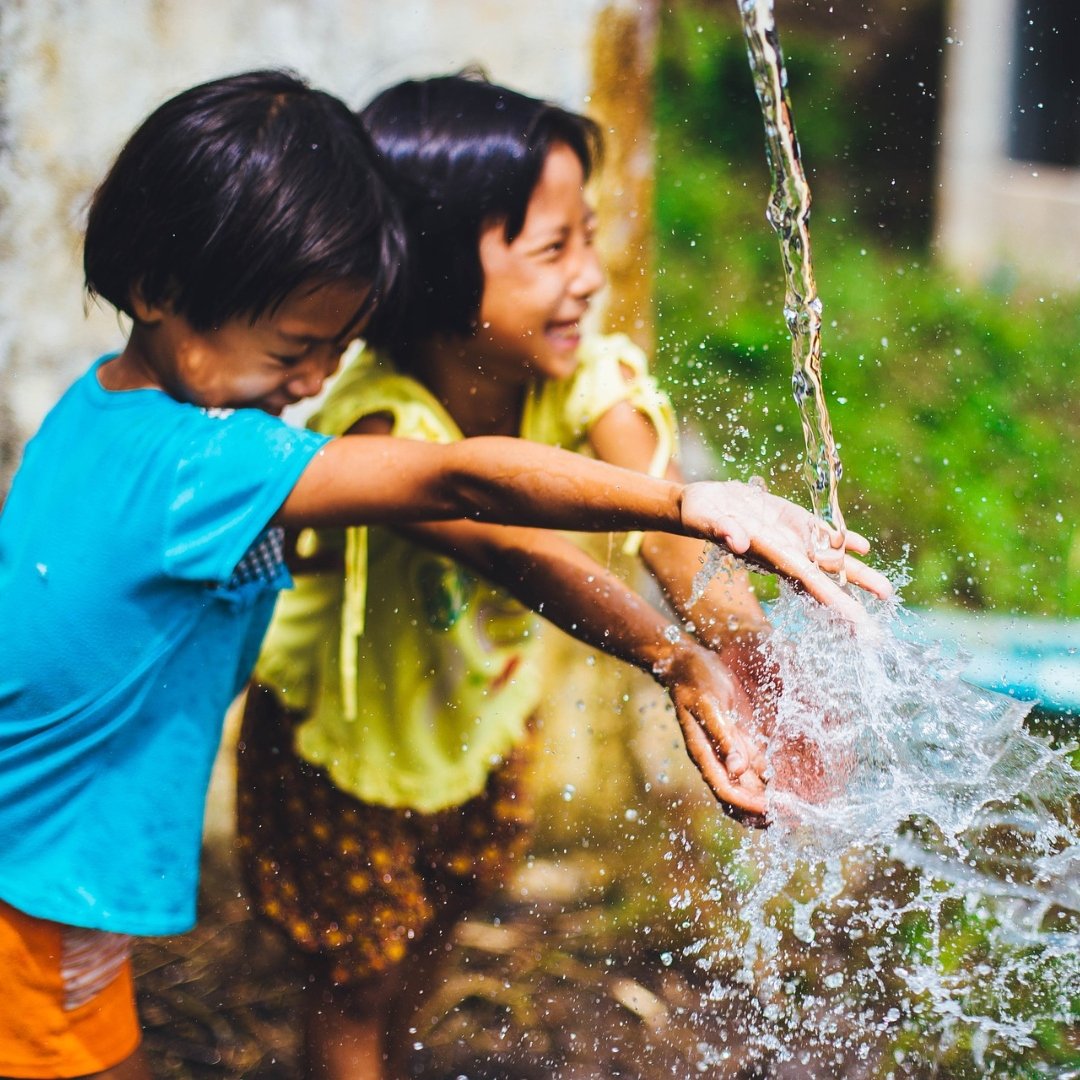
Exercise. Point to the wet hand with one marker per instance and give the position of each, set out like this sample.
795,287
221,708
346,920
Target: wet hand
712,710
779,536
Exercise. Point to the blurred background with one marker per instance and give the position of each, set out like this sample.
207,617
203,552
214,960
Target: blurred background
941,144
941,141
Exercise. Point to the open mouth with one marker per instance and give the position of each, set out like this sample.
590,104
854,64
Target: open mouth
564,335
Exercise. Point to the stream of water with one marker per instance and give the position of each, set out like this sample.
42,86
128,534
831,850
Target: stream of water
788,212
914,910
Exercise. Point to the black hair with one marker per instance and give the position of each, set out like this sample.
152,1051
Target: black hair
236,193
461,153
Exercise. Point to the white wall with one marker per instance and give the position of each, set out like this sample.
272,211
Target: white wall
996,214
76,76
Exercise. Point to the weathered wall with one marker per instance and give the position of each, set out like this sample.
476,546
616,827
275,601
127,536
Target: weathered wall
77,75
624,50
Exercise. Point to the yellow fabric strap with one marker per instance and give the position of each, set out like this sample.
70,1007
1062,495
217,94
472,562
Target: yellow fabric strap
353,612
366,386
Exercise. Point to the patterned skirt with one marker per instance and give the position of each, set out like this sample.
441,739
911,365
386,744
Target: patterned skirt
355,885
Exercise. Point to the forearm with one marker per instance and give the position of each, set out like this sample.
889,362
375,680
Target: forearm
370,479
375,479
726,608
515,481
555,578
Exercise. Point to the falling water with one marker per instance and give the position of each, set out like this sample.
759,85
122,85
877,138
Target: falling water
914,909
917,899
788,212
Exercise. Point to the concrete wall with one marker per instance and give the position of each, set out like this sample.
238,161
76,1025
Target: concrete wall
76,76
997,215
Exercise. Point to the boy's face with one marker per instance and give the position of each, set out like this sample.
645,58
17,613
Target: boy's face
538,287
268,364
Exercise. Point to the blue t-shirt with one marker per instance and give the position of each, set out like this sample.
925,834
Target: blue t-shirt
137,576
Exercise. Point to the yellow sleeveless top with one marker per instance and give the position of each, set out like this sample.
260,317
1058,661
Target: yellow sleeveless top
415,676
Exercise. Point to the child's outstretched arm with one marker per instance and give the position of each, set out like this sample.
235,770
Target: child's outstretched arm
728,610
556,578
368,479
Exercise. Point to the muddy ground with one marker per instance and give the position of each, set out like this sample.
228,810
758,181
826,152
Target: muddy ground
535,988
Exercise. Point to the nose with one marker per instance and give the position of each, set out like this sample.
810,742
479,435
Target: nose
589,274
306,380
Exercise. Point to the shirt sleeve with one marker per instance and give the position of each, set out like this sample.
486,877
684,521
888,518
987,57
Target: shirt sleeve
613,370
237,470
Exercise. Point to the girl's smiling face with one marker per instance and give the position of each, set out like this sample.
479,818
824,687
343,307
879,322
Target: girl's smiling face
537,288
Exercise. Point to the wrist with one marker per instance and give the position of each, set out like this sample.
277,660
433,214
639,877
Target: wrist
671,658
725,631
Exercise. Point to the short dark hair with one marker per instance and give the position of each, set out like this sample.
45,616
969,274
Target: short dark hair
234,194
462,153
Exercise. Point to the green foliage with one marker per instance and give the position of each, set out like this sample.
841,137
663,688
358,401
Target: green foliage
953,407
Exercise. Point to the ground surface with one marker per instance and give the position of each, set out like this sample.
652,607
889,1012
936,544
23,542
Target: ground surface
533,990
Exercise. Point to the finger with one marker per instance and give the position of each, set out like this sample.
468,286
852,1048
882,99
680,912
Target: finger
723,729
752,783
836,539
873,581
703,754
798,568
758,761
732,535
724,736
856,542
744,807
801,569
827,591
829,559
736,763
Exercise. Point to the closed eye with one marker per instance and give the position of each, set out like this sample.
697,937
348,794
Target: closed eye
552,246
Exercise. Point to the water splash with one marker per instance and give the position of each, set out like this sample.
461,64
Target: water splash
919,892
788,212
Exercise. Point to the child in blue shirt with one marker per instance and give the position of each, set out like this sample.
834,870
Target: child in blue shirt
248,236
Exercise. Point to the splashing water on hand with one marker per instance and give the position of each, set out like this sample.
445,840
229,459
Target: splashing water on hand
918,895
922,875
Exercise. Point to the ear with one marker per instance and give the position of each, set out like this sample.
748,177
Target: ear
143,312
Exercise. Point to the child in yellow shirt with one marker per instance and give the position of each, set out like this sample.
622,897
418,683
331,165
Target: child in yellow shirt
380,772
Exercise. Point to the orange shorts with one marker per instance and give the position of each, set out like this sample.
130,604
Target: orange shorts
68,998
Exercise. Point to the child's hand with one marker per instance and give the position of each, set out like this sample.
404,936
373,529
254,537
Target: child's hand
712,709
779,536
